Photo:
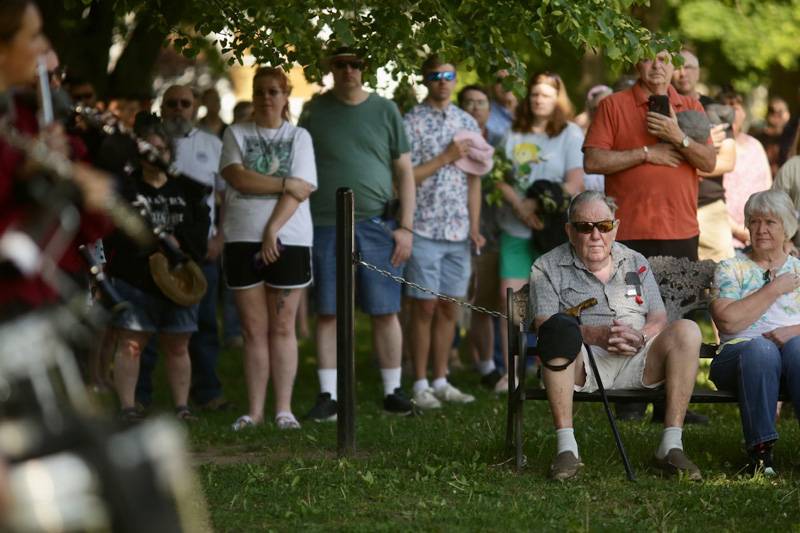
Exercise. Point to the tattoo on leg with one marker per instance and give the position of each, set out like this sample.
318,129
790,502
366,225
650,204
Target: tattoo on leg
282,295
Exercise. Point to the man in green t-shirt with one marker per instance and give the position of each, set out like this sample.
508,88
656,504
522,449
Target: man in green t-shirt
360,143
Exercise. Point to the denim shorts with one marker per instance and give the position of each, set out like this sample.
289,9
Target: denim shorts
443,266
376,294
152,313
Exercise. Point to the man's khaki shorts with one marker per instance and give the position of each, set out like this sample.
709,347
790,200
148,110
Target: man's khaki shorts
618,372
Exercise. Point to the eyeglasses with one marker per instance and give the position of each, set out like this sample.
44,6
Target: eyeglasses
271,92
354,64
767,277
476,104
603,226
174,104
439,76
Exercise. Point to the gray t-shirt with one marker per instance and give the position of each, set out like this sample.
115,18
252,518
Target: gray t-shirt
354,146
549,158
559,280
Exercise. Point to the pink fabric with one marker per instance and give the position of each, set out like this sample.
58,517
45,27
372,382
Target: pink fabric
750,175
479,158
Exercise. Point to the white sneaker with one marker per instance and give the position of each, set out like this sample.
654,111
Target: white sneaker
448,393
425,399
501,387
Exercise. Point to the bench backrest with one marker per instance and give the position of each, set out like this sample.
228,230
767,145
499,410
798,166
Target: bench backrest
685,285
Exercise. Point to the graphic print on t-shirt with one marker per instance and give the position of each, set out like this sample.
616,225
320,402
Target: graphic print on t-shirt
270,159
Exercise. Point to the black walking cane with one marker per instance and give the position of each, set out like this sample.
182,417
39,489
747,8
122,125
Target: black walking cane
576,312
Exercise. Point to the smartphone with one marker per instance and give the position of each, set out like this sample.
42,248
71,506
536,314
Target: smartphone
659,103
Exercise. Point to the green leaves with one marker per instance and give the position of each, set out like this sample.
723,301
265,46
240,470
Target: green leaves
487,35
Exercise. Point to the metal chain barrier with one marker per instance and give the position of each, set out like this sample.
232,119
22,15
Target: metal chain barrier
399,279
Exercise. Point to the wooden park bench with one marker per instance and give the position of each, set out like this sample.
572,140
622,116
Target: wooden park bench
685,286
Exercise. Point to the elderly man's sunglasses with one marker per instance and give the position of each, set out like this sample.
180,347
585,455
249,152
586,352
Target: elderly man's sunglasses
603,226
438,76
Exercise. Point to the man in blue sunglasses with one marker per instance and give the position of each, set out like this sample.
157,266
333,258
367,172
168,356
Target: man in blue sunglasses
446,225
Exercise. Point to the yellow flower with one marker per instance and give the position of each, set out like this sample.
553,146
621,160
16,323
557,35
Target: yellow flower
526,153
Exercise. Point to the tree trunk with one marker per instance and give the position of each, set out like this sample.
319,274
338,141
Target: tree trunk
82,44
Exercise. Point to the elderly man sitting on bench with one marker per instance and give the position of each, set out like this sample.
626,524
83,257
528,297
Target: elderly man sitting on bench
627,330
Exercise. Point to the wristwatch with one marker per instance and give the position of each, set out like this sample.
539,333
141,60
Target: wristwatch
685,142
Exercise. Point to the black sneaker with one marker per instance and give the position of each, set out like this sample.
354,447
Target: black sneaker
324,410
398,403
761,461
490,380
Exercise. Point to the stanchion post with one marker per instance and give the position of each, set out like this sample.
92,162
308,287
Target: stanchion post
345,324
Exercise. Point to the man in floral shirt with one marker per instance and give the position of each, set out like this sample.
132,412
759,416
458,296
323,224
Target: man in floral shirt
446,224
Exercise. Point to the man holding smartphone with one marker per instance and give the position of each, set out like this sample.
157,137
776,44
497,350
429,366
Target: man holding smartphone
650,164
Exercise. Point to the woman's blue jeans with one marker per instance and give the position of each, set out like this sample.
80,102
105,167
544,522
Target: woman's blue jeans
756,370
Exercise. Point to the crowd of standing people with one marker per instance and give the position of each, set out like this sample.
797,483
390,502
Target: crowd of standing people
246,213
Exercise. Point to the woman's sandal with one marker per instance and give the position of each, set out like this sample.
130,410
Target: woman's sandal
131,415
182,412
286,421
243,422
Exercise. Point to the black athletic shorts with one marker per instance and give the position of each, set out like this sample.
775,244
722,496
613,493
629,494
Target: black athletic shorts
241,262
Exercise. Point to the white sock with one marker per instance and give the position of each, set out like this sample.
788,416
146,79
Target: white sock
327,381
671,438
566,441
421,385
486,367
391,379
439,383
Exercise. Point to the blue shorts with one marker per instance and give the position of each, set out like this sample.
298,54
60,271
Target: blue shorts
152,313
376,294
443,266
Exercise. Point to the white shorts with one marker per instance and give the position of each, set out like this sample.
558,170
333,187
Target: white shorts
618,372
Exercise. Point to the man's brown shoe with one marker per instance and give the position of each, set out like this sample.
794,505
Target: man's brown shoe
676,463
565,466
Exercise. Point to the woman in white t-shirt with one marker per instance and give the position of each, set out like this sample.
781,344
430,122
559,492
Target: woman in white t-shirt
542,145
269,165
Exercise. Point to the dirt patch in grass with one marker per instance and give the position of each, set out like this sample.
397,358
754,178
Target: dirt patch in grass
247,454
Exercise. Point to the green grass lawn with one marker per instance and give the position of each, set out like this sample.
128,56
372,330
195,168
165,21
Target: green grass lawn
448,470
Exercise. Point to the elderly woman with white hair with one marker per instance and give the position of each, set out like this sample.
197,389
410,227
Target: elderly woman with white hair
757,313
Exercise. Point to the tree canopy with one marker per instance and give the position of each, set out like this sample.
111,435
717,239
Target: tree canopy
587,41
479,35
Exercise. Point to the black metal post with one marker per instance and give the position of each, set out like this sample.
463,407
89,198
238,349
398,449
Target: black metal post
511,370
345,324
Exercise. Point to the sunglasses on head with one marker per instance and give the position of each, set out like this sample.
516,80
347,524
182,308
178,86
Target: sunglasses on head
603,226
438,76
174,104
355,64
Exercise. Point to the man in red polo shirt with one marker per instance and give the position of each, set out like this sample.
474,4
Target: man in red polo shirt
650,165
650,168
